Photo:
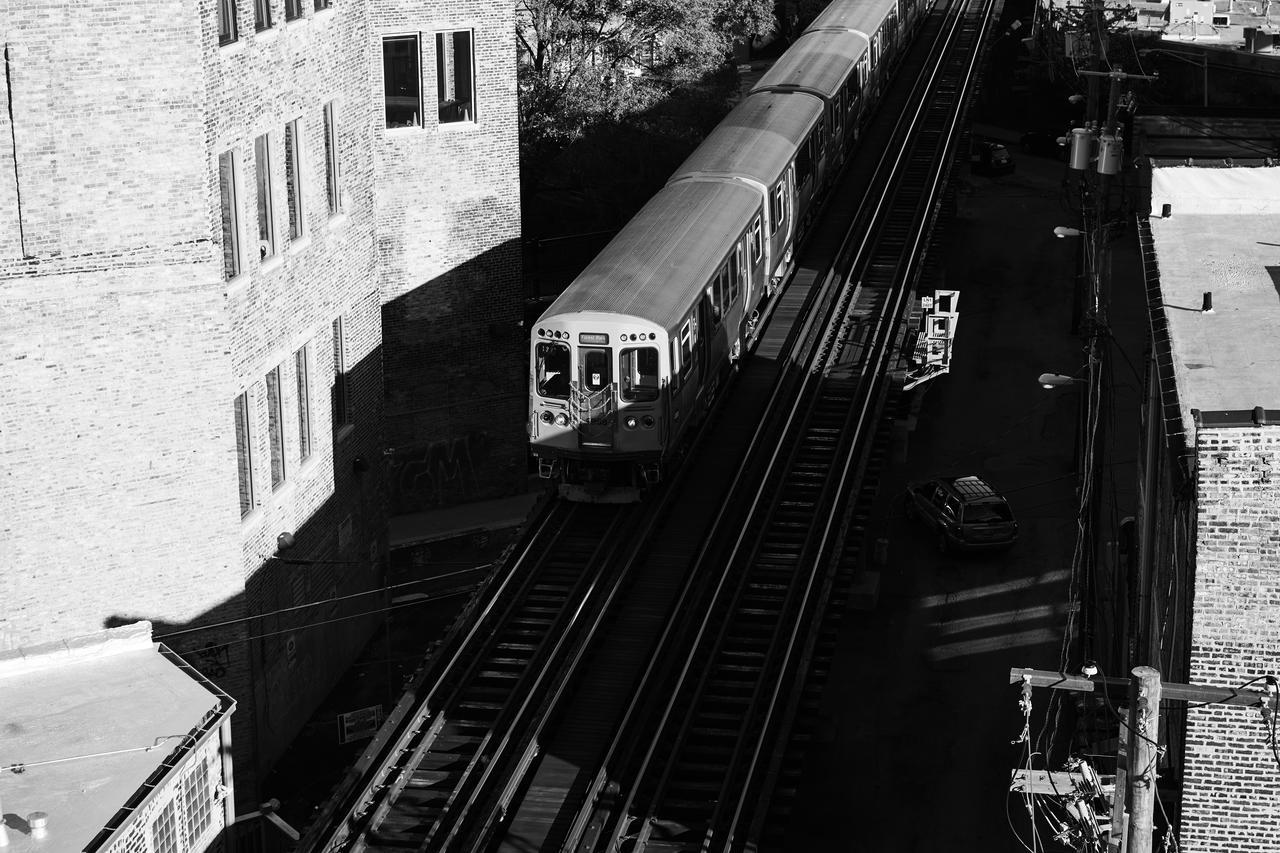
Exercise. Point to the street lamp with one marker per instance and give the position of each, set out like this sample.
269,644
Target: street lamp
1184,56
1063,231
1057,380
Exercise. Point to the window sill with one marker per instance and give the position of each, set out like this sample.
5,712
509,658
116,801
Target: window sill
237,286
267,35
324,14
456,126
231,47
404,130
271,264
299,244
344,432
293,22
337,221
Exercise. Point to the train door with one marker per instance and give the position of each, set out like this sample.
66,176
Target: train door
593,398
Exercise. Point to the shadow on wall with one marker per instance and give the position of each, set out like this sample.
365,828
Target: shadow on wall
455,359
307,610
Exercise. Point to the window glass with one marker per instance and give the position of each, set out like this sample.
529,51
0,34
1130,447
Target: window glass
266,211
227,30
686,348
552,370
738,270
401,81
333,164
262,14
638,374
230,204
713,299
454,77
757,240
804,161
777,208
952,508
597,372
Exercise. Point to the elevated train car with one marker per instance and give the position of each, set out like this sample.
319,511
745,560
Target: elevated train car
631,356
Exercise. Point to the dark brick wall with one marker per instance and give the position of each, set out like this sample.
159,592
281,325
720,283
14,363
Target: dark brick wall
448,246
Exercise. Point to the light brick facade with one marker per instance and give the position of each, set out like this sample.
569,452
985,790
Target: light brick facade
126,343
1231,785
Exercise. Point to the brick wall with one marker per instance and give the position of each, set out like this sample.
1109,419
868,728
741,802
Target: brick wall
448,246
1231,789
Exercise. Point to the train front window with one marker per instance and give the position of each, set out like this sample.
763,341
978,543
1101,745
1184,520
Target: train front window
638,375
596,373
552,366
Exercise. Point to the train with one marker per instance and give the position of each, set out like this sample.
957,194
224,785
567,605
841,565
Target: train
630,357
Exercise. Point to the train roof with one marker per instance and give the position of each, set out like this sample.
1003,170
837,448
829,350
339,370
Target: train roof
818,61
657,264
757,140
859,15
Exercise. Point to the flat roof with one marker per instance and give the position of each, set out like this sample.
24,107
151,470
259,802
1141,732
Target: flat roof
90,720
1222,236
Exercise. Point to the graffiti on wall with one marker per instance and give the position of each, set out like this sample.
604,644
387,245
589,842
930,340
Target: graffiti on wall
212,660
442,472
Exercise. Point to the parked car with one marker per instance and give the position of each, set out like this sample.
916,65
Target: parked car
1044,143
990,158
966,513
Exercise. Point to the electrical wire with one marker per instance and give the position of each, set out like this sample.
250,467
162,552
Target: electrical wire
383,589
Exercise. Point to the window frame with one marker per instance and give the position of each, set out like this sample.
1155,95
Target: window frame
341,408
333,159
416,118
228,23
275,427
264,178
294,150
293,10
469,106
302,379
628,370
756,238
540,378
233,260
261,15
243,410
321,5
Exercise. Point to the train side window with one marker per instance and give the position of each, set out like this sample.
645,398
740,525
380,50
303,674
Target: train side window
777,206
836,111
821,135
804,162
686,348
596,369
713,299
722,286
757,239
739,272
552,366
638,375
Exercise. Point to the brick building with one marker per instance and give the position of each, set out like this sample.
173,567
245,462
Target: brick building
1206,585
238,301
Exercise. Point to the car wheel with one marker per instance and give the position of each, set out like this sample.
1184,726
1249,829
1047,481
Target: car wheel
944,544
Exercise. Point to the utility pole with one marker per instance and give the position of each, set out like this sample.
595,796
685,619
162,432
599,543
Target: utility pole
1139,755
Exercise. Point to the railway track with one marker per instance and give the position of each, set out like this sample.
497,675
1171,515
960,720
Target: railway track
527,733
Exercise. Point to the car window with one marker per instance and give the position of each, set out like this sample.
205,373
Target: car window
987,512
939,496
952,507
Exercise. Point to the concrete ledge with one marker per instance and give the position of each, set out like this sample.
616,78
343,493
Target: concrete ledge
451,522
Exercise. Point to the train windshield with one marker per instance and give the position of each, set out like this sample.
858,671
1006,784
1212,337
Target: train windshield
638,374
552,370
596,373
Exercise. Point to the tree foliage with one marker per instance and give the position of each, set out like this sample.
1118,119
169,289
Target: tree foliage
587,61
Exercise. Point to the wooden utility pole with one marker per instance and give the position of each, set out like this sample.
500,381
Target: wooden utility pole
1136,764
1144,723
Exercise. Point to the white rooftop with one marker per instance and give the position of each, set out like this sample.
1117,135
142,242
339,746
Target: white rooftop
1223,236
78,716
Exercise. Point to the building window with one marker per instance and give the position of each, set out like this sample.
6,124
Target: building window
164,829
275,427
261,15
292,9
244,454
401,81
227,29
333,165
293,178
266,217
341,385
302,368
228,180
455,75
198,798
321,5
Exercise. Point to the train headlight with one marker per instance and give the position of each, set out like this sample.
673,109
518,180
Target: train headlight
546,417
630,422
562,419
648,422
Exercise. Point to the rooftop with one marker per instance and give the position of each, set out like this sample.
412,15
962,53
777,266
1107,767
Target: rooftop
83,725
1222,236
